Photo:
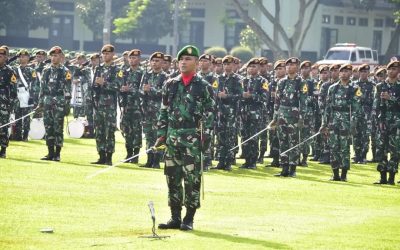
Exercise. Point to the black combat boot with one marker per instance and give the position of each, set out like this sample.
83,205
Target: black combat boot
156,160
220,166
150,158
102,158
383,179
284,172
3,152
274,163
129,154
245,165
50,155
324,159
57,156
292,171
316,155
343,176
109,159
391,178
136,159
335,176
261,157
175,221
187,223
303,162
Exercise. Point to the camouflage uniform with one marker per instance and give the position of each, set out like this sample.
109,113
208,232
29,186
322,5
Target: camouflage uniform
265,119
84,76
388,133
227,121
341,111
131,121
55,93
105,109
325,154
8,93
150,103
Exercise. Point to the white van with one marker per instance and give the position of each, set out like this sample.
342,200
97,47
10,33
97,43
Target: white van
350,53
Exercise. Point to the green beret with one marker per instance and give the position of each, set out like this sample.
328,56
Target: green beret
188,50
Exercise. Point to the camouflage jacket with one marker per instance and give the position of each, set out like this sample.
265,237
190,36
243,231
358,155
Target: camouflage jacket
151,101
253,107
106,95
131,100
32,81
232,85
8,90
56,85
366,95
386,108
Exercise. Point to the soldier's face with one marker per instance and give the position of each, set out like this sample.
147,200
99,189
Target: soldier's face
24,59
107,56
95,61
252,69
188,64
166,65
380,77
305,71
324,75
334,73
263,68
345,74
228,67
40,58
3,59
280,72
56,58
218,68
204,64
134,60
364,74
292,68
392,72
156,63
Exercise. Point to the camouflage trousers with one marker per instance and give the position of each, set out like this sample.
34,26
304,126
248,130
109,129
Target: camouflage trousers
78,111
106,123
361,138
306,132
53,119
181,165
388,142
227,139
288,134
131,128
150,129
274,144
4,119
250,149
339,141
264,135
89,114
22,126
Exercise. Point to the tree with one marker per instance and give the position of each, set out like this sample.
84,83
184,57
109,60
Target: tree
392,48
25,13
243,53
249,39
293,42
216,51
92,14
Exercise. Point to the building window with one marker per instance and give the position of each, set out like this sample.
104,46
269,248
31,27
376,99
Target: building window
363,22
197,12
377,40
62,6
326,19
232,34
389,22
339,20
329,38
378,23
396,42
193,34
351,21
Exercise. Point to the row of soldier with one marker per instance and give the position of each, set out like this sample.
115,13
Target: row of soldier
294,96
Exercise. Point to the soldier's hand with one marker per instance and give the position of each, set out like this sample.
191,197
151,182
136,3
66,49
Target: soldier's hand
99,81
160,143
76,81
246,95
385,96
323,130
222,95
125,88
146,88
300,123
272,125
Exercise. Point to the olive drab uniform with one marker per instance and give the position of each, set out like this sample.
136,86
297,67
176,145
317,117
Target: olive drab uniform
26,81
8,93
105,109
306,128
273,135
388,132
150,103
131,120
55,95
325,154
251,115
227,110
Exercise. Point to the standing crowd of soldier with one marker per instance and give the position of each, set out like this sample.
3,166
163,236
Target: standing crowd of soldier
289,101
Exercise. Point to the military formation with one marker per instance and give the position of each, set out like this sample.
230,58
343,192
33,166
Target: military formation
341,106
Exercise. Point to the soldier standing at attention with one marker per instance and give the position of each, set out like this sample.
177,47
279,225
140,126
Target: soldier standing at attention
254,97
264,111
131,123
341,111
387,106
106,85
287,116
150,94
184,125
166,65
363,125
229,93
8,93
55,95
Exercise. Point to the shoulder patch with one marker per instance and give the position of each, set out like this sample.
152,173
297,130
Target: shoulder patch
13,78
34,74
215,84
265,86
305,88
358,92
68,76
120,74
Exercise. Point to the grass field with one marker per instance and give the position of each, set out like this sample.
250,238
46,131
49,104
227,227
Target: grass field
241,210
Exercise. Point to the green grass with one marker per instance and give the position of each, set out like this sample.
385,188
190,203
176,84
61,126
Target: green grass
241,210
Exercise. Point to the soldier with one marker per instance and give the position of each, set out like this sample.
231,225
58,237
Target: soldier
280,72
131,124
106,85
166,65
89,101
334,73
179,128
125,58
218,67
254,97
80,80
150,94
387,107
306,128
26,81
364,124
264,111
55,95
342,109
287,116
229,93
8,93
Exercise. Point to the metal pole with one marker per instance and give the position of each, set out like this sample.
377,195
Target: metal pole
176,35
107,22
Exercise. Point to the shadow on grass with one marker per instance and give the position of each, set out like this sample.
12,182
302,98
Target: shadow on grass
242,240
